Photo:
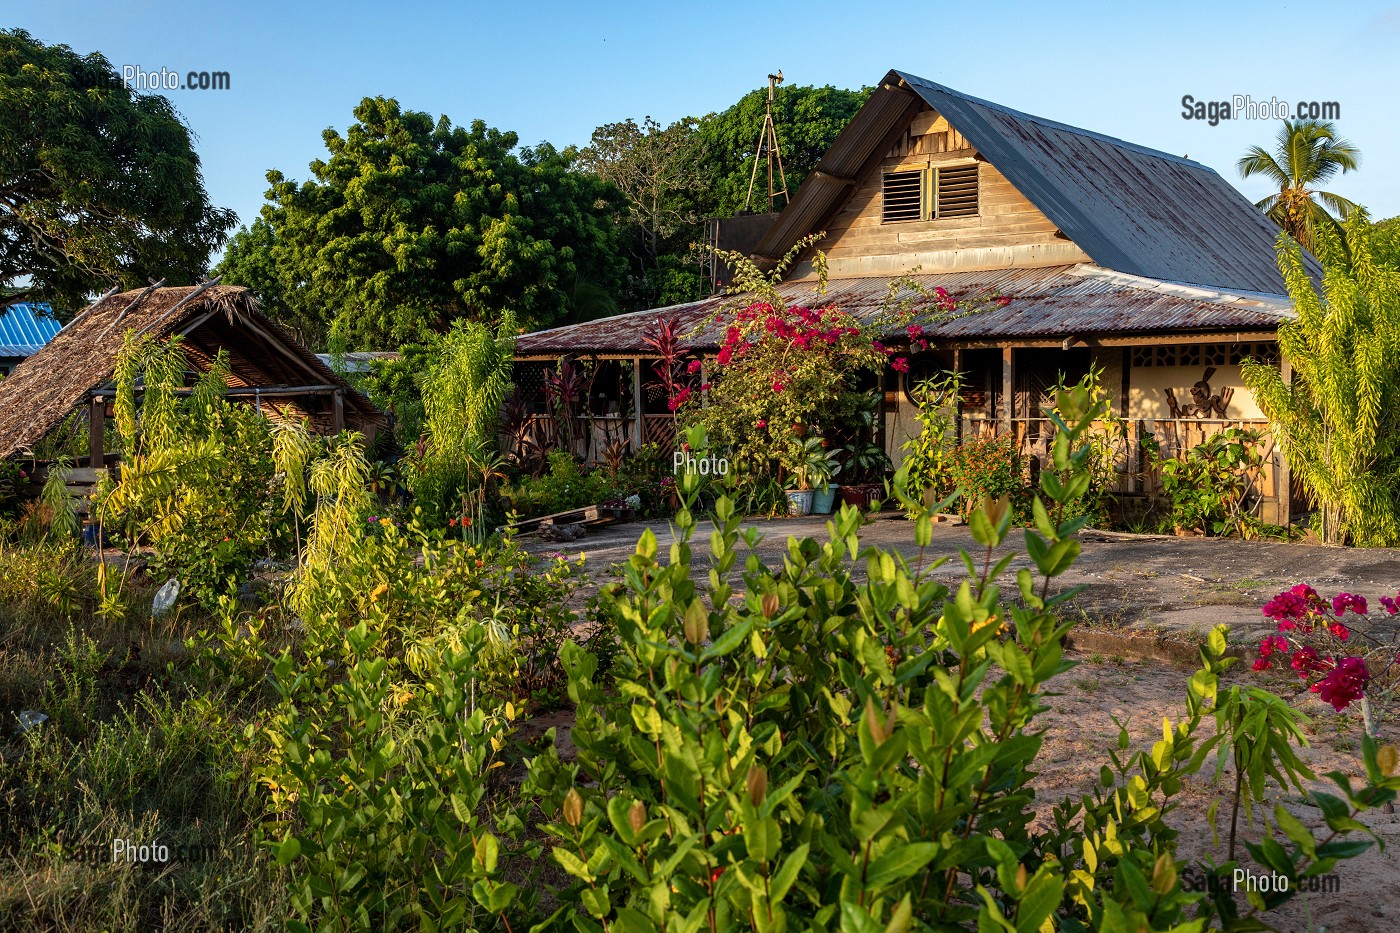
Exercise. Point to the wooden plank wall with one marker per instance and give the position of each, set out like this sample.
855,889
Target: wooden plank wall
1005,217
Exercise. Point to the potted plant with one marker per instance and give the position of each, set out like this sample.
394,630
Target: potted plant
865,466
800,494
822,465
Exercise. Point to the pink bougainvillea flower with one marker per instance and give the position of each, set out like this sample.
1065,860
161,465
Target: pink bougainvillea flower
1389,605
915,330
679,399
761,423
694,366
778,386
1299,606
1345,683
1003,301
877,346
1344,601
900,364
1261,663
1305,662
1340,631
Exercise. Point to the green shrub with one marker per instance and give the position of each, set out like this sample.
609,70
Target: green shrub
818,750
1210,484
565,486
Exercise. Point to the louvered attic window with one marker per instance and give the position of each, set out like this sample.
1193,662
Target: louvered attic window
956,188
904,196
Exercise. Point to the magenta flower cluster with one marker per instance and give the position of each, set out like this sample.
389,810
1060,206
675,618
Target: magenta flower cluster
1300,612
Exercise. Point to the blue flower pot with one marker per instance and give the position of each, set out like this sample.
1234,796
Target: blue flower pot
823,499
799,501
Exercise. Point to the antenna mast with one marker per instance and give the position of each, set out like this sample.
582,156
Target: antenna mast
768,139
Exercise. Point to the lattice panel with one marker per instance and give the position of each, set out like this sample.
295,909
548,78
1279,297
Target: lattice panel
1205,354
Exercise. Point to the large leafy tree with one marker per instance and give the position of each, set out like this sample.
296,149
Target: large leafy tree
1338,419
99,185
808,120
1307,153
413,223
660,175
672,178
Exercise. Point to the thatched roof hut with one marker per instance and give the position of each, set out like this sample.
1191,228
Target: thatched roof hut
268,367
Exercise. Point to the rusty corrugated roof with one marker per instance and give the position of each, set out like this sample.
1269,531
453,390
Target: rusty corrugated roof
1056,301
1130,208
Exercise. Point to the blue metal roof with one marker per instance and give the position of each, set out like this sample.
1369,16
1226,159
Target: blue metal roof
25,328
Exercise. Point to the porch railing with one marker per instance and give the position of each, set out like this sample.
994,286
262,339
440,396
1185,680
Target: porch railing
1134,473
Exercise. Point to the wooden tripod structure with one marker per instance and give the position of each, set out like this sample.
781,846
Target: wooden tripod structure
768,139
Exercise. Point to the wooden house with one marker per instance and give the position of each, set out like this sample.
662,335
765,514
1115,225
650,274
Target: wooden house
268,369
1143,264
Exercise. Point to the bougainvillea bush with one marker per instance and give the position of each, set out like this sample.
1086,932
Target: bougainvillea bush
1343,650
781,374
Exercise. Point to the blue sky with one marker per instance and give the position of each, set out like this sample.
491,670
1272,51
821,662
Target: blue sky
554,71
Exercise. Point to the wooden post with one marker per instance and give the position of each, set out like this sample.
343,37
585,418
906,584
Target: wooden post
337,411
638,419
1283,477
96,421
958,402
1008,393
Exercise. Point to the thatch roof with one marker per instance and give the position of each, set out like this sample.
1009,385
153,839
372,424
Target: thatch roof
45,388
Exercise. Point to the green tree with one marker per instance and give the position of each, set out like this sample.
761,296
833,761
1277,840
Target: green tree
658,171
808,121
1307,154
1338,420
99,185
413,223
671,179
249,260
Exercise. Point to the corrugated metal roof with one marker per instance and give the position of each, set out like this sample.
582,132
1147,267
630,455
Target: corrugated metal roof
1130,208
1057,301
24,328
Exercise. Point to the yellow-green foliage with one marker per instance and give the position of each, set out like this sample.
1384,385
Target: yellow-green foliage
1338,420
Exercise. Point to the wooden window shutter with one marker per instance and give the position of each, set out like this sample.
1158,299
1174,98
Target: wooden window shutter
903,196
957,191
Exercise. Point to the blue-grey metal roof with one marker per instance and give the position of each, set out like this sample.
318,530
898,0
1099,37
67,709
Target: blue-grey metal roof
1130,208
25,328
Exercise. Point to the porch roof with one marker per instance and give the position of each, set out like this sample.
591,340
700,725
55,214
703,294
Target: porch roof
1052,302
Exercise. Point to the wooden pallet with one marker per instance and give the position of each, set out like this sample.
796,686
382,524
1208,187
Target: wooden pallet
589,515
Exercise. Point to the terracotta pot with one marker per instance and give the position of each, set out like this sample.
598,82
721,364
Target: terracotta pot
859,495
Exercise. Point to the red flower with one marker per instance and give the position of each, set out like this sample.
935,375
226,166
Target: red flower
1003,301
1305,663
1339,630
694,366
679,399
1344,601
900,364
778,386
761,423
1344,683
915,330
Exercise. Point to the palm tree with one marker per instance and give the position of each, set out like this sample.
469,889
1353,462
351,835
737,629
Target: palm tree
1308,153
